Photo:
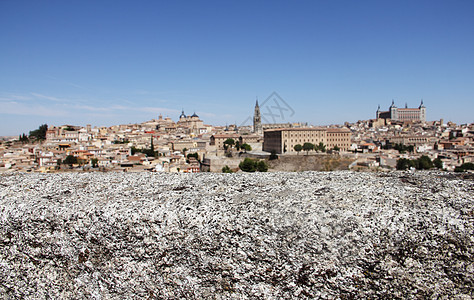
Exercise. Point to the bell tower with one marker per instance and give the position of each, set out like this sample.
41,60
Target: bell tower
257,120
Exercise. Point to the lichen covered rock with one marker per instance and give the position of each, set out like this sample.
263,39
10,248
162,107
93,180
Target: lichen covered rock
243,236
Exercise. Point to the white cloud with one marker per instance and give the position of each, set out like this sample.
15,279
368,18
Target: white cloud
9,97
58,109
15,108
41,96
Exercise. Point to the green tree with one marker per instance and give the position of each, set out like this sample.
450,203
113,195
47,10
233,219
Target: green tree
148,152
298,148
424,163
23,138
70,160
237,145
152,147
404,163
273,155
40,133
336,148
248,165
121,141
308,147
438,163
402,148
262,166
464,167
320,147
94,162
467,166
246,147
229,142
226,169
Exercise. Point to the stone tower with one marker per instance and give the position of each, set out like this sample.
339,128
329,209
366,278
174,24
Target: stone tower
422,109
393,111
257,120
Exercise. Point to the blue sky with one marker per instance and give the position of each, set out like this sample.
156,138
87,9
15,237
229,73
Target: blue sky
119,62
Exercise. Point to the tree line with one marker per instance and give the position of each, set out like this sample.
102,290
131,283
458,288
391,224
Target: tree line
231,143
421,163
249,165
34,135
309,146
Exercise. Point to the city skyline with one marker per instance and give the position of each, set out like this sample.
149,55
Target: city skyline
113,63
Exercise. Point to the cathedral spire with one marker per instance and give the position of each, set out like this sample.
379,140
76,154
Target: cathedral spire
257,119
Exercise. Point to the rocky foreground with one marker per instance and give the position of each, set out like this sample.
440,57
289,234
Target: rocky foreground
241,236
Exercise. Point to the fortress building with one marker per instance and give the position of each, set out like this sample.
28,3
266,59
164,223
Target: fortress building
403,114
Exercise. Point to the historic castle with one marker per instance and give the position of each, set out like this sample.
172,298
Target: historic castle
403,114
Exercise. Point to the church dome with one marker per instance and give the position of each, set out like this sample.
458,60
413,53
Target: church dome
182,115
194,116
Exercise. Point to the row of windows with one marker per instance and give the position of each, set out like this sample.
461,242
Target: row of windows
305,140
338,134
302,135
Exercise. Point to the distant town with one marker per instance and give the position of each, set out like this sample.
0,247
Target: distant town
398,138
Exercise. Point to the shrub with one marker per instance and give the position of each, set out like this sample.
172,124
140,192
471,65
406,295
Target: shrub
468,166
252,165
246,147
464,167
248,165
273,155
226,169
262,166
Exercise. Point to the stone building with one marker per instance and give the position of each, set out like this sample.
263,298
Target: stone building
403,114
283,140
415,140
340,137
192,124
219,139
267,126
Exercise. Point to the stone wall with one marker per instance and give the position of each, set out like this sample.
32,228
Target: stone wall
298,235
